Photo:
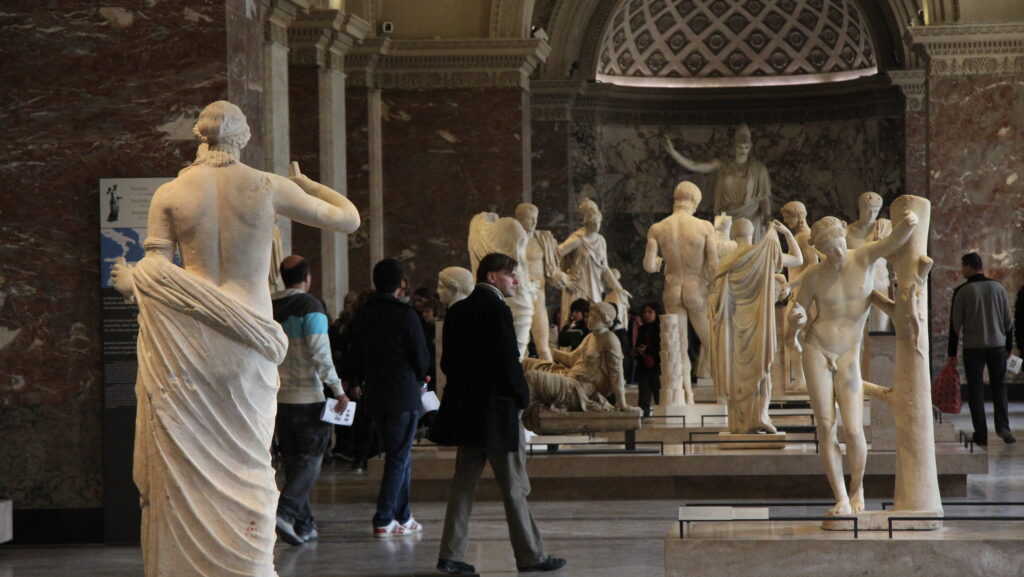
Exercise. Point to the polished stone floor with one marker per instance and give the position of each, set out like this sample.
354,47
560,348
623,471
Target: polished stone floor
600,538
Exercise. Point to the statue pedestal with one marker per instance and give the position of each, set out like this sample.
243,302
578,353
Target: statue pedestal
735,441
544,421
879,521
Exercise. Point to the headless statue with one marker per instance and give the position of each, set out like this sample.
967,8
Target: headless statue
488,233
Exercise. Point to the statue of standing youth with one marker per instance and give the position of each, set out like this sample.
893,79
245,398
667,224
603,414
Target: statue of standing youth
743,188
204,426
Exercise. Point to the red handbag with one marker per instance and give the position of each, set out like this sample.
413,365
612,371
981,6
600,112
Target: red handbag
946,389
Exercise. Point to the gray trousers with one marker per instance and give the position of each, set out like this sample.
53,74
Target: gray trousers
510,472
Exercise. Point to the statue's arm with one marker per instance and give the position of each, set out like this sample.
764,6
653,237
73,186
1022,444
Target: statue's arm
312,203
900,234
561,357
652,262
710,255
570,244
793,257
691,165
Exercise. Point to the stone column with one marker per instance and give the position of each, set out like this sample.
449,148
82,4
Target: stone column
975,151
913,85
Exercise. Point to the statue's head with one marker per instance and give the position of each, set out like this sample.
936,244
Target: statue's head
793,213
687,196
869,203
526,214
723,225
828,236
742,228
601,317
742,143
590,215
222,125
454,284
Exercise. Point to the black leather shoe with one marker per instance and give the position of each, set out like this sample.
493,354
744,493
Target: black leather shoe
549,564
979,440
1008,437
455,567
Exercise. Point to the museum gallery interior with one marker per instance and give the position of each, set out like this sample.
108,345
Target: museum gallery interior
780,191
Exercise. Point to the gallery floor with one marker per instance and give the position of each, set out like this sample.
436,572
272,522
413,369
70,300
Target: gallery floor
600,538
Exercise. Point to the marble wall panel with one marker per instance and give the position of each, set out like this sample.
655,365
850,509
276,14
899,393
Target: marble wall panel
824,164
448,154
94,92
976,171
357,156
304,123
244,52
550,162
916,153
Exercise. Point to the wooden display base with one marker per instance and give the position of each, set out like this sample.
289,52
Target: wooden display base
734,441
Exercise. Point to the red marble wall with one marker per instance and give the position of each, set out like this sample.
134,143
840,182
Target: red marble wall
357,158
449,154
976,171
88,93
304,126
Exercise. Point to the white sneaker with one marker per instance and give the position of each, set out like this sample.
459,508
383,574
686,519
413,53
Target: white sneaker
411,526
390,530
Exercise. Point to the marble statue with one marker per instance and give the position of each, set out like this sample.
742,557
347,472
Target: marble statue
840,287
743,188
689,251
585,261
909,397
868,227
453,284
542,264
580,380
742,313
794,214
208,351
723,235
489,233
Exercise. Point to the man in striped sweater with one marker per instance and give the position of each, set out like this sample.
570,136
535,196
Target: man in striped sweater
306,369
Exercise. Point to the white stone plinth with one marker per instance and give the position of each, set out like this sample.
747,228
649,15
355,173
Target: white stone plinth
756,441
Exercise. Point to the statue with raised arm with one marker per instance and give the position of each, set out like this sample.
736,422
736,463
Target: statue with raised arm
689,251
585,260
490,233
580,380
840,288
794,214
542,264
208,352
743,188
742,313
868,227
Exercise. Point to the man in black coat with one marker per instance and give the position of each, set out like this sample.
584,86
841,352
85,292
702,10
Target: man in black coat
386,362
480,412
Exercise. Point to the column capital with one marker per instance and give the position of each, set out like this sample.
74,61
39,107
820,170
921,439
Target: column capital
969,49
912,83
440,64
278,15
323,37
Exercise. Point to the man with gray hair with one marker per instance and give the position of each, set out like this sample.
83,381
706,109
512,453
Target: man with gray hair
981,313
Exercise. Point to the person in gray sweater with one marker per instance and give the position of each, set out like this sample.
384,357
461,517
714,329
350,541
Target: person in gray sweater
981,313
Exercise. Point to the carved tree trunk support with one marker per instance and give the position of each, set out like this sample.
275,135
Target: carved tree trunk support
909,397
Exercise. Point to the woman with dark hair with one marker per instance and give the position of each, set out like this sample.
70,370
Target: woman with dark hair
648,357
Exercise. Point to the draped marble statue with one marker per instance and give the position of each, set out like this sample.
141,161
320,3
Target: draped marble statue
585,261
840,286
580,380
208,351
868,227
742,313
794,214
490,233
723,236
542,264
743,188
689,252
453,284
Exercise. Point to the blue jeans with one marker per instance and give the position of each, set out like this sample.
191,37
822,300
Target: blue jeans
302,438
398,431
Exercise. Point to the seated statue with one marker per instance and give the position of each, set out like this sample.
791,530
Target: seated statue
580,380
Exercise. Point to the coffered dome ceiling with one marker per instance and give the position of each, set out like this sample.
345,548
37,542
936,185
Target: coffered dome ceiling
734,43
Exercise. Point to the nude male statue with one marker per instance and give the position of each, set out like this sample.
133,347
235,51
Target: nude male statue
841,289
794,214
690,253
542,264
208,350
866,228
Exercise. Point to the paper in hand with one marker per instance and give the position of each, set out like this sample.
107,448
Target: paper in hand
1013,364
343,418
